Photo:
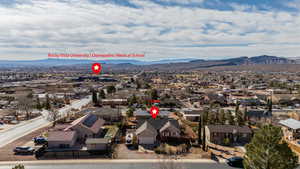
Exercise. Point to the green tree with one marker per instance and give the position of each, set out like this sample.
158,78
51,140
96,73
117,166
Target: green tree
230,118
226,141
111,89
267,150
47,104
138,84
211,118
200,126
132,100
102,94
147,86
19,166
269,105
95,97
222,116
240,120
130,111
154,94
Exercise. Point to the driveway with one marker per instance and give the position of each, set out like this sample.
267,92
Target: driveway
125,153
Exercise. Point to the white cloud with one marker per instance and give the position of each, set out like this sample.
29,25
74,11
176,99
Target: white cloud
81,26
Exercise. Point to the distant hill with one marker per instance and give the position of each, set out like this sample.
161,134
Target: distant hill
67,62
170,64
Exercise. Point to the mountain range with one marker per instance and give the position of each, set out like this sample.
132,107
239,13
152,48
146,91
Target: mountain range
185,64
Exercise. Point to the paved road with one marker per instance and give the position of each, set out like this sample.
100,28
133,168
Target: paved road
23,129
123,165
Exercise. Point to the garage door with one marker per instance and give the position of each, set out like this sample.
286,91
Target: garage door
146,140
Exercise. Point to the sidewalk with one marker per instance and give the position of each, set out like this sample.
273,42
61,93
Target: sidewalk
86,161
11,127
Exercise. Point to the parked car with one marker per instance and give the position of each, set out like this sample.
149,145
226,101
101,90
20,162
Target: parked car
24,150
40,140
235,162
129,139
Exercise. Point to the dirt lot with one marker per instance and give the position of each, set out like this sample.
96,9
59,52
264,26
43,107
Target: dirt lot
7,154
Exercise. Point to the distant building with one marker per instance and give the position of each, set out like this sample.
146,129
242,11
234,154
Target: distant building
257,116
191,114
114,102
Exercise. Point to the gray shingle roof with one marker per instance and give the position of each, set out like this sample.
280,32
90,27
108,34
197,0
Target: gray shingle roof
229,129
146,126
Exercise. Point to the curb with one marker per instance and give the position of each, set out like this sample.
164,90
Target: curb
89,161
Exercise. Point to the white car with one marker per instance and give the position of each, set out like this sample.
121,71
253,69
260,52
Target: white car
129,138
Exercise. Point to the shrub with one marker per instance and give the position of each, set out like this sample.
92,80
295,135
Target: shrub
19,166
171,150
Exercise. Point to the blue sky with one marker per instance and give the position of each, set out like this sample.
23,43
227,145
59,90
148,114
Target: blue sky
162,29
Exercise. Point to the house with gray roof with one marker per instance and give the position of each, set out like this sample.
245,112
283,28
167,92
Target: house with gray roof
290,128
146,134
149,131
236,135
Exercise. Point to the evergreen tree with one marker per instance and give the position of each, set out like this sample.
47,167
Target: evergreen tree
47,104
240,118
200,126
230,118
222,117
267,150
132,100
269,105
102,94
217,117
154,94
211,118
237,107
245,112
130,111
94,97
111,89
138,84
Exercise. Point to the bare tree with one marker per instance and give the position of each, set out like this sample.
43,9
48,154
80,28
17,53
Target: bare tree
53,116
25,104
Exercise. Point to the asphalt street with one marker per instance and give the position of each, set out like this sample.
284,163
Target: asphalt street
124,166
23,129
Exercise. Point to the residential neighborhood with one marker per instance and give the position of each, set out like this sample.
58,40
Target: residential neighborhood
203,115
149,84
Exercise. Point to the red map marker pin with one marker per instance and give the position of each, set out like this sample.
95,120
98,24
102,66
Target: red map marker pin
154,111
96,68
